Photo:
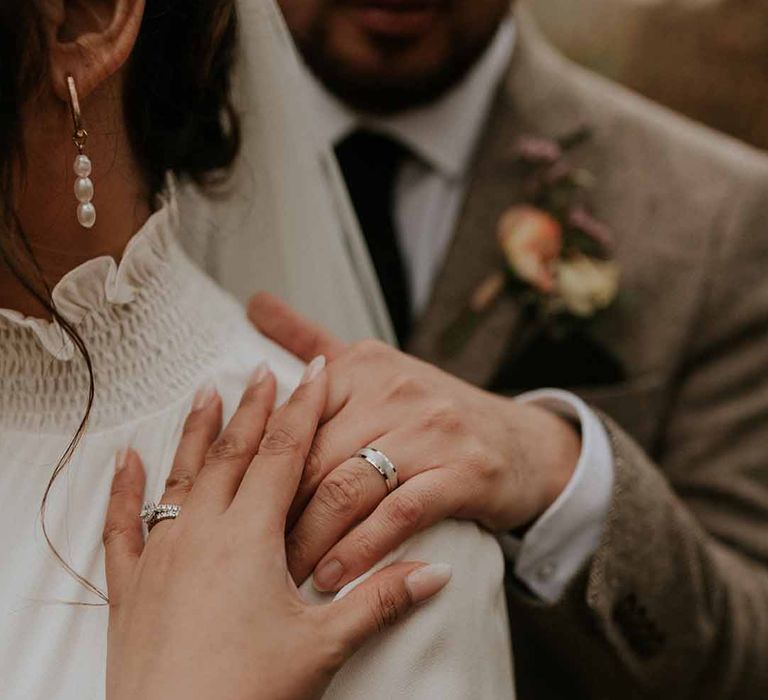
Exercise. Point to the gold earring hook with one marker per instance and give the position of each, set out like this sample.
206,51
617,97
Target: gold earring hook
81,135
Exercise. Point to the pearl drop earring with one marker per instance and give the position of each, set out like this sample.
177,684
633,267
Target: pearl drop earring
86,212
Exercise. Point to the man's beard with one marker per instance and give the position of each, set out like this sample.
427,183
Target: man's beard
387,95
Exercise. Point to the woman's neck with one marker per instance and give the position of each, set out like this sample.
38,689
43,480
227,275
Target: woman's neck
46,206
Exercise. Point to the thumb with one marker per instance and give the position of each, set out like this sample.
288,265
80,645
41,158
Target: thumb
289,329
385,598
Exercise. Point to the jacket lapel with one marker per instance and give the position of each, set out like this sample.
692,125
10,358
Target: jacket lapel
473,255
494,187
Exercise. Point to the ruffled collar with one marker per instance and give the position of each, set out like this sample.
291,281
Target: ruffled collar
101,282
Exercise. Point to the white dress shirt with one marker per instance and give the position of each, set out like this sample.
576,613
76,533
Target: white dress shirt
429,194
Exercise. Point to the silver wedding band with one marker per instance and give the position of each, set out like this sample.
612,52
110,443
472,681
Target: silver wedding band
154,513
382,464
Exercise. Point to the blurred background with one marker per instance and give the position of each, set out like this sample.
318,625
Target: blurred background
705,58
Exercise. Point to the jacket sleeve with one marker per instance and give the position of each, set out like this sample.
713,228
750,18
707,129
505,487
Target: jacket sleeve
674,603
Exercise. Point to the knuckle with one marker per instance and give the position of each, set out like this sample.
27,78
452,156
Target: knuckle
407,387
113,531
180,480
230,446
280,441
406,510
341,492
313,464
477,463
443,416
387,608
369,350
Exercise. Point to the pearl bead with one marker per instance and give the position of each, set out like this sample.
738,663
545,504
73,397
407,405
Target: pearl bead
82,166
84,189
86,215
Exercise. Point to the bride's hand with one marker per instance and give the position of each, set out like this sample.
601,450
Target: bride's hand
206,608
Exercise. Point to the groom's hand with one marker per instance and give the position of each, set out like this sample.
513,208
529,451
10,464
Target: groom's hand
460,452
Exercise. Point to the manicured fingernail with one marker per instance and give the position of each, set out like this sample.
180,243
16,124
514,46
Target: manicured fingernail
121,460
203,397
259,374
328,575
423,583
313,369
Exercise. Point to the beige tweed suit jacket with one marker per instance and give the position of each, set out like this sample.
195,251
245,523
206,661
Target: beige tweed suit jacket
674,604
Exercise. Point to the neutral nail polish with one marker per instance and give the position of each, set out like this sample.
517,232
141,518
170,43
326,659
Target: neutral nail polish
259,374
203,397
423,583
313,369
328,575
121,460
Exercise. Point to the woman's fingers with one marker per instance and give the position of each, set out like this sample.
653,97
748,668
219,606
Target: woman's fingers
229,455
384,599
123,534
275,471
421,502
202,426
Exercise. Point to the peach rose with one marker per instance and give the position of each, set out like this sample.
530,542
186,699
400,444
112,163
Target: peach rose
532,241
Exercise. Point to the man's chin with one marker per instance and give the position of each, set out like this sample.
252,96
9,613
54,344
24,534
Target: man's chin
386,99
385,92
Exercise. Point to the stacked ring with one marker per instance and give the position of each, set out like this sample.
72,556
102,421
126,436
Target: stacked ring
382,464
153,513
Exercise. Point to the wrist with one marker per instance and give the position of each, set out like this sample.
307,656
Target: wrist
553,449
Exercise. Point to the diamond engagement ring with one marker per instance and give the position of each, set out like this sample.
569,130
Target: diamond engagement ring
153,513
382,464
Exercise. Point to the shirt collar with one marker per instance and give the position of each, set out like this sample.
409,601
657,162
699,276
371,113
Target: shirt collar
444,133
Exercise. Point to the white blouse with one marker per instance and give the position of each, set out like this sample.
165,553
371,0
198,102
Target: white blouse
157,328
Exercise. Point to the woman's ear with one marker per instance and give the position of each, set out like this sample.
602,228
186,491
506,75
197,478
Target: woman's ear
90,40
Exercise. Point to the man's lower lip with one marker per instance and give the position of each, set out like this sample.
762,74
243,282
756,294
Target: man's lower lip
396,20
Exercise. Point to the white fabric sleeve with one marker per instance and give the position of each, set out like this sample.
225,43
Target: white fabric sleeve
562,540
454,647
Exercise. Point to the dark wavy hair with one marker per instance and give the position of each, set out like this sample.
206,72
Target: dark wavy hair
178,114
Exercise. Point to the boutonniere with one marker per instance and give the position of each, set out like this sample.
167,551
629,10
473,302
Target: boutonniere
557,257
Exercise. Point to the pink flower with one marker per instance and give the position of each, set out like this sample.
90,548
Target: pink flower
581,219
532,241
538,151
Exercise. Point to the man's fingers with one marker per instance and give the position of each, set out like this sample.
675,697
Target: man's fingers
274,473
202,426
384,599
123,535
280,323
416,505
335,442
346,496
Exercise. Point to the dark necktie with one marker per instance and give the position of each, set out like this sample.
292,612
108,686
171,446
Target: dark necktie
370,164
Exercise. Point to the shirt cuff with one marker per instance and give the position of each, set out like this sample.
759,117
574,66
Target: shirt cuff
563,539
